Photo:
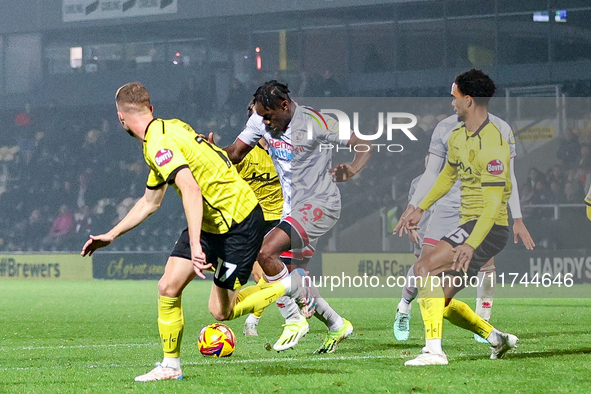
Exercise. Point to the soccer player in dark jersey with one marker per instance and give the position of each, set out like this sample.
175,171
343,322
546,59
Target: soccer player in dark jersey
479,155
224,222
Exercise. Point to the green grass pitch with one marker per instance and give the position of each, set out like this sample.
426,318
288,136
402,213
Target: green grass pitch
95,337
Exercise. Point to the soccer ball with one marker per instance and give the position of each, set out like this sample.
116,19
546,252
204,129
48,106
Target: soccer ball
216,340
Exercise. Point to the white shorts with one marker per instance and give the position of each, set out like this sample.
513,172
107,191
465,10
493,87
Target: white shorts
443,220
309,221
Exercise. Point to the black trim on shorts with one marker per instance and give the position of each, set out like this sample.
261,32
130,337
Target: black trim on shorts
298,242
170,179
269,225
493,243
158,186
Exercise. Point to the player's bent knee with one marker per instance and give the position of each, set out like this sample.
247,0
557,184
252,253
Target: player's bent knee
421,268
265,256
168,289
219,314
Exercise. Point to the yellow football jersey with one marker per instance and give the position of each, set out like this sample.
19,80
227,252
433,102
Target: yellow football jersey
481,160
258,171
171,145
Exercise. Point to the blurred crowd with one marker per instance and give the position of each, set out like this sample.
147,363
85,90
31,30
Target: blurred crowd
66,173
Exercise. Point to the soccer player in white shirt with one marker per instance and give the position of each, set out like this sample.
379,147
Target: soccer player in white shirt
312,201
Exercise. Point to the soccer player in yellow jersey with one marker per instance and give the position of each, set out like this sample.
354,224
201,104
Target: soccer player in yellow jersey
588,202
223,224
479,155
258,171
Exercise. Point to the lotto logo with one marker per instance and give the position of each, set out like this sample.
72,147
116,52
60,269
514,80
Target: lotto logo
163,156
495,167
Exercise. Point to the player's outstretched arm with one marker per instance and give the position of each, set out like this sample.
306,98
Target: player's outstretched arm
145,206
237,151
344,171
519,229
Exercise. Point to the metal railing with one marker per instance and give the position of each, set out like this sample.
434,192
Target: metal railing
556,208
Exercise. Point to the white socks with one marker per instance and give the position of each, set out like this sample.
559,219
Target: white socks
171,362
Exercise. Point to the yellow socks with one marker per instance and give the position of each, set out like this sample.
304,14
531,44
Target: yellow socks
170,325
255,298
460,314
432,302
259,312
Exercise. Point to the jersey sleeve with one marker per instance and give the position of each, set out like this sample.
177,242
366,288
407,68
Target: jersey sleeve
438,145
154,181
506,132
413,187
494,166
330,131
253,131
511,141
166,159
444,182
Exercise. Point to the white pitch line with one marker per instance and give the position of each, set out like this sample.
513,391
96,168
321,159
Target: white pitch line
213,361
79,346
282,359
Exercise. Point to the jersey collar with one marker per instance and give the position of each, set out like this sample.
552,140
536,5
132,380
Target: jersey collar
148,128
479,129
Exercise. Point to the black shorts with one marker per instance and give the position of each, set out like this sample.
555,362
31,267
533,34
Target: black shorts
233,253
493,243
269,225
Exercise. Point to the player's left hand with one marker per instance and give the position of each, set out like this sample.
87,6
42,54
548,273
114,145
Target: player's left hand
462,257
342,172
520,231
414,236
95,242
199,262
411,221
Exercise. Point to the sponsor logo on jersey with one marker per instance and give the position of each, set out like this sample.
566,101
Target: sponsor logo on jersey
298,136
283,150
163,157
495,167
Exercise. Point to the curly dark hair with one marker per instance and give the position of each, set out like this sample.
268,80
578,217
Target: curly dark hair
271,94
476,84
